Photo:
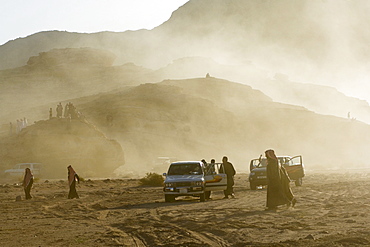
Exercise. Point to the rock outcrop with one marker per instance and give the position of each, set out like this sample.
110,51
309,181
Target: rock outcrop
56,143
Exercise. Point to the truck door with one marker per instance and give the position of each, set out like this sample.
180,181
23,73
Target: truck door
214,179
294,167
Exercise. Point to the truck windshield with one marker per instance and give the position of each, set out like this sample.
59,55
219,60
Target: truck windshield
185,169
259,163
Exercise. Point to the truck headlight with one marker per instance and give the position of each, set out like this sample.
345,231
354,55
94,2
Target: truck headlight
252,174
168,185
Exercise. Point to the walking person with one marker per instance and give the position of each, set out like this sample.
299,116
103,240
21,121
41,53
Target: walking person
228,168
278,188
72,179
27,183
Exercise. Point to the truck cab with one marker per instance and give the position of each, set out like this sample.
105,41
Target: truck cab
193,178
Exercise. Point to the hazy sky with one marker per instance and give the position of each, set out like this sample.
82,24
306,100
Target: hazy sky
20,18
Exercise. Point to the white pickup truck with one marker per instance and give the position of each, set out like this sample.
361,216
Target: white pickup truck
19,169
192,178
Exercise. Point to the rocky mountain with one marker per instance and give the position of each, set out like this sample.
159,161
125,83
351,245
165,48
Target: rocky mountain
268,47
279,87
190,119
252,39
304,39
59,75
62,74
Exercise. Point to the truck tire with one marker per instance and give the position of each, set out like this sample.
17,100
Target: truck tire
202,197
298,182
253,186
169,198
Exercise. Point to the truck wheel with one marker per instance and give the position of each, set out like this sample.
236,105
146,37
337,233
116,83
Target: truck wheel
298,182
169,198
253,186
202,197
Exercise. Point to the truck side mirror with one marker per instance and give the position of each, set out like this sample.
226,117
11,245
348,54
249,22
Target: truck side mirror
164,174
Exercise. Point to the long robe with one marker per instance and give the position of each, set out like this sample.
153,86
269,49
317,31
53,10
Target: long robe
27,183
276,191
72,178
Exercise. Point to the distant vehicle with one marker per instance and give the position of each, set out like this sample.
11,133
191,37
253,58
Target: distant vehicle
192,178
293,166
19,169
161,163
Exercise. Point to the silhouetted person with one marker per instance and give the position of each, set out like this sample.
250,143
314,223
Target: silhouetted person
72,179
59,110
278,188
72,111
211,167
228,168
50,113
27,183
66,110
205,164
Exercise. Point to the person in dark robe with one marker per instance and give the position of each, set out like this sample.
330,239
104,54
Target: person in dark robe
228,169
72,179
59,110
278,188
27,183
285,180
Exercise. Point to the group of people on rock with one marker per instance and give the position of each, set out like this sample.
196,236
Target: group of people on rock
278,181
72,179
20,124
70,111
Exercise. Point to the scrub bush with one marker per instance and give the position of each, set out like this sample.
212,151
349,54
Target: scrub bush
152,179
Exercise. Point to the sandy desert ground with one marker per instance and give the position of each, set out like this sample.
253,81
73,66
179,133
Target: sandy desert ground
332,210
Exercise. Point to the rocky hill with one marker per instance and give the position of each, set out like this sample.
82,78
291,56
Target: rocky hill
59,75
63,74
56,143
189,119
279,87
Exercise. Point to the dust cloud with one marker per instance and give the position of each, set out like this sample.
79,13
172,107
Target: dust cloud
281,73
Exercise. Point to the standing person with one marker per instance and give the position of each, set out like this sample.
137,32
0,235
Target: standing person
25,122
59,110
72,178
278,188
66,110
228,168
27,183
211,167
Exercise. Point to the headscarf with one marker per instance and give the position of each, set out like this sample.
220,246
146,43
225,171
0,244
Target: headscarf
71,174
270,154
27,177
